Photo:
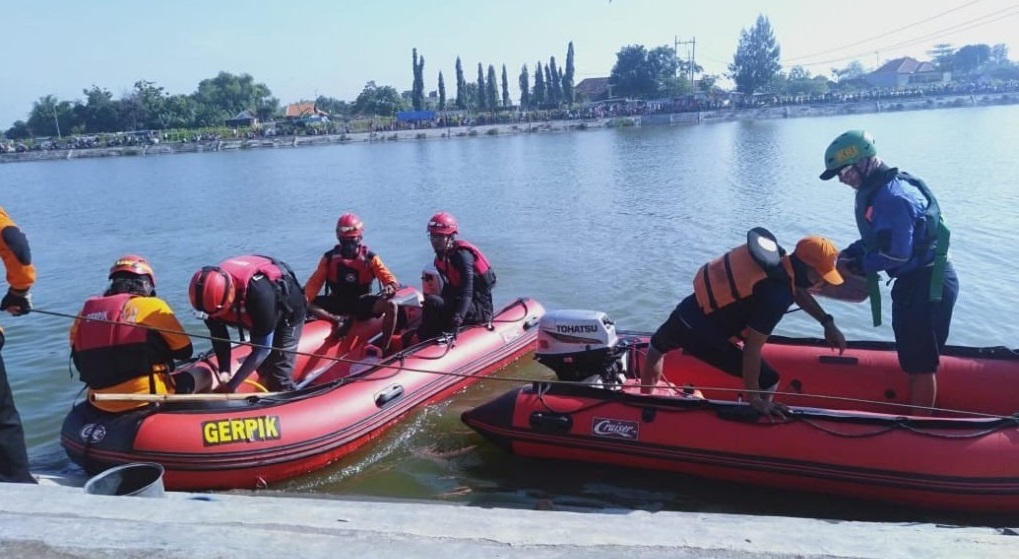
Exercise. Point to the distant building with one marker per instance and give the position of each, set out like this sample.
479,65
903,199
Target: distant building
303,110
593,89
242,120
906,72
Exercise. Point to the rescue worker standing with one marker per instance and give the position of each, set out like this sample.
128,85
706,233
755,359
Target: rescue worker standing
744,294
467,277
125,341
17,260
348,270
903,234
261,295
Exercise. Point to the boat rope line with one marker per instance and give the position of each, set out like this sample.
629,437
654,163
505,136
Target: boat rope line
807,417
400,356
445,339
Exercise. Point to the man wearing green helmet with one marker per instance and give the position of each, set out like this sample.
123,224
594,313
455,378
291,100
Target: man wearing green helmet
903,234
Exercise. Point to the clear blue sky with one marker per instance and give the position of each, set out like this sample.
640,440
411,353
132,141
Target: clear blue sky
332,47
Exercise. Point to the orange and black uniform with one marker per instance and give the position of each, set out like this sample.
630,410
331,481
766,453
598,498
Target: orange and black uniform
348,282
731,293
125,344
17,260
466,299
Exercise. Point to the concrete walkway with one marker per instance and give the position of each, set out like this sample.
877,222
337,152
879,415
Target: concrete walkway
60,522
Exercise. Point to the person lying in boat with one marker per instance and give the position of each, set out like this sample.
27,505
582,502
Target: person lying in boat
348,270
743,295
125,341
467,278
258,294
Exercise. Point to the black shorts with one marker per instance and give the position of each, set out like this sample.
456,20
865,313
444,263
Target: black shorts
920,325
690,329
360,308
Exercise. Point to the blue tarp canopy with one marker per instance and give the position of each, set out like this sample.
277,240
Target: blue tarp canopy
415,115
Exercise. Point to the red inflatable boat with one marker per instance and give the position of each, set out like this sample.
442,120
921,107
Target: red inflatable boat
347,397
849,432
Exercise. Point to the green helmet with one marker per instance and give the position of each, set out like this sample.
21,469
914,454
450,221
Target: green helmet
847,149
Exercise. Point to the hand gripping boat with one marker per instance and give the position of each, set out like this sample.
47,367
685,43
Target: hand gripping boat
848,433
349,394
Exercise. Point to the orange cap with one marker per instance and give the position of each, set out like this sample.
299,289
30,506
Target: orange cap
820,254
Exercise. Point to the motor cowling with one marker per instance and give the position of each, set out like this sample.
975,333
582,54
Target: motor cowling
581,346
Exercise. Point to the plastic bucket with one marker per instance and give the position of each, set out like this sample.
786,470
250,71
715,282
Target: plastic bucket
141,479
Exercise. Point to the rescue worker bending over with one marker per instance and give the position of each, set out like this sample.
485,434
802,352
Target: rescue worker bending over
467,278
743,295
125,341
261,295
348,271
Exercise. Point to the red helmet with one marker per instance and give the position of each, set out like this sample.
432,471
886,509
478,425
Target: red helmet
349,226
133,264
442,223
211,291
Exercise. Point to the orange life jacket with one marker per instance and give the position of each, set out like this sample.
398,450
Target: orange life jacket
732,277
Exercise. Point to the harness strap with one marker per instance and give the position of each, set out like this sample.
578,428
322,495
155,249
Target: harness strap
940,261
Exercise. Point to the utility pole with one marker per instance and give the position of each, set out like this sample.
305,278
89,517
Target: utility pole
690,56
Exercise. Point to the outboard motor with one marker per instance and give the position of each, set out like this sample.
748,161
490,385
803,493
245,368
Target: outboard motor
582,346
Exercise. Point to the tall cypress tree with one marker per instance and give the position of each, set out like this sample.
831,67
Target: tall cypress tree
505,88
549,87
442,92
555,84
539,86
482,98
525,88
492,90
417,96
568,94
461,86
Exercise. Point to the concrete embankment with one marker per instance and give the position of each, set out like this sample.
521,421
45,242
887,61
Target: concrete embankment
59,522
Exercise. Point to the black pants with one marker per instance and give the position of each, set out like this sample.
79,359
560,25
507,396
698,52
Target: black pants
13,454
437,314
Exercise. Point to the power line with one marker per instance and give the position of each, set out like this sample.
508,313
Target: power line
948,31
886,33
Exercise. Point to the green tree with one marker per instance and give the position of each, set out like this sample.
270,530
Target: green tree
378,100
418,89
99,113
555,81
482,98
19,131
631,75
539,86
442,92
505,88
461,98
663,65
550,91
334,106
707,83
756,60
571,70
970,57
525,88
226,95
50,117
491,90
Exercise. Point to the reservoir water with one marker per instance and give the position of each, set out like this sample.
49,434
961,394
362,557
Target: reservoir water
609,219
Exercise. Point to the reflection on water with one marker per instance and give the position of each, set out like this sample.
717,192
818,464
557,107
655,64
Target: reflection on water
614,220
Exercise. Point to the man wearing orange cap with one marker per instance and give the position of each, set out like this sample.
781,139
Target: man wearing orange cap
743,295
